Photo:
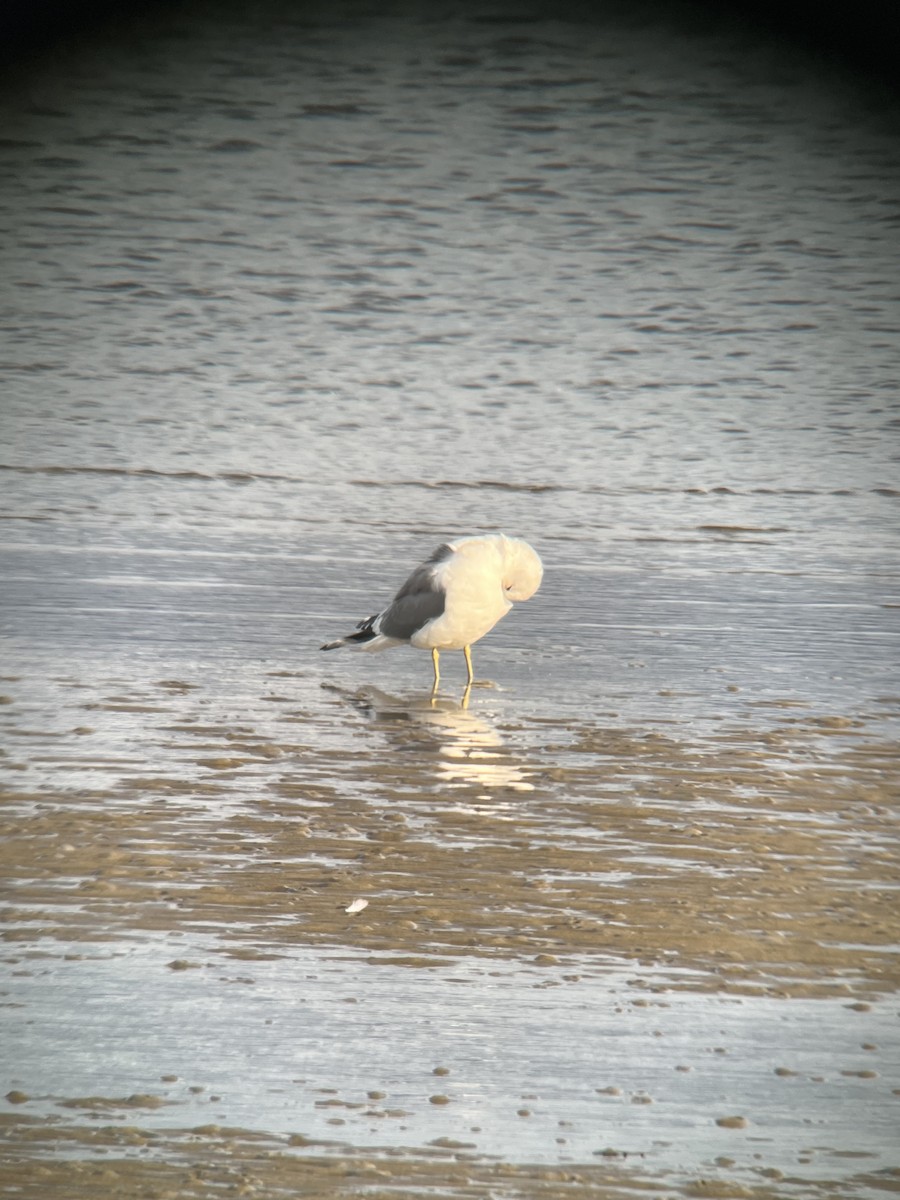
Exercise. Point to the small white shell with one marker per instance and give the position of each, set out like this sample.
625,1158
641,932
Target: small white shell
356,906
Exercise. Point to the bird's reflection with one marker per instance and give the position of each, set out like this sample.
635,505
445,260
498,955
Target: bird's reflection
466,748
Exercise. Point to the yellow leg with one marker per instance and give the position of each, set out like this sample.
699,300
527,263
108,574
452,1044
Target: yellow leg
468,655
435,655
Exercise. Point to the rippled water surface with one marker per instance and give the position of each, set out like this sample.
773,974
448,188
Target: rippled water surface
290,297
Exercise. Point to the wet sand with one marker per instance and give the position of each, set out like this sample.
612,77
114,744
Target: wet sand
213,1164
762,859
712,920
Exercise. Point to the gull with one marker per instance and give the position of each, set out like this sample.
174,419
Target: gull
454,598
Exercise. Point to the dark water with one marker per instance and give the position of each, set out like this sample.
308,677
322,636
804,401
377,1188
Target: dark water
290,296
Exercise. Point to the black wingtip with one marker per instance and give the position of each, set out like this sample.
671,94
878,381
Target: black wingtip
364,635
366,631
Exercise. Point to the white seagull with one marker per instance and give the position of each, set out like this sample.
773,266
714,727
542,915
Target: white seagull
454,598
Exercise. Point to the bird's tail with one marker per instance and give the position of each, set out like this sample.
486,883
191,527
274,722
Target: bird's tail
366,634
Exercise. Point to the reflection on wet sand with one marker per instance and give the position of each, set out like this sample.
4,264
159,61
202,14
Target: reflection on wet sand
465,747
762,856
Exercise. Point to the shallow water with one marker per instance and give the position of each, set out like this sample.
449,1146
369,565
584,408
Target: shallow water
282,314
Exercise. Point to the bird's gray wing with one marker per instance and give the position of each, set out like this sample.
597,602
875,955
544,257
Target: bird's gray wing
419,601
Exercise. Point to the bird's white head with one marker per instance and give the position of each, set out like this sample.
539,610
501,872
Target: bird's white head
522,569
